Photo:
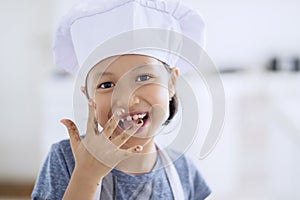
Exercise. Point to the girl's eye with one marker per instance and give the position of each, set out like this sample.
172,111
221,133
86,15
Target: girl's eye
106,85
143,78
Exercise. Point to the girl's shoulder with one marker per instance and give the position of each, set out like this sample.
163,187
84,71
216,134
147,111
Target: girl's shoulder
62,153
55,173
62,148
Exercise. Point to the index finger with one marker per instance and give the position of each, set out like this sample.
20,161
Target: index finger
123,137
112,123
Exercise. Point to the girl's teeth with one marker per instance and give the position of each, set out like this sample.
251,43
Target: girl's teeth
135,117
128,118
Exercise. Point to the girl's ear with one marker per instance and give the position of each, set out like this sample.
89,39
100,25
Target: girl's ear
83,90
172,82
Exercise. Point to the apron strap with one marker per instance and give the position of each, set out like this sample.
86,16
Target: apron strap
107,192
173,177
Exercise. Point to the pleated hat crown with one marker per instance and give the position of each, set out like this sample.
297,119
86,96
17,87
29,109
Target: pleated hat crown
91,23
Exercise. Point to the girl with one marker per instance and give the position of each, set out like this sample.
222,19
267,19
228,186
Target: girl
131,94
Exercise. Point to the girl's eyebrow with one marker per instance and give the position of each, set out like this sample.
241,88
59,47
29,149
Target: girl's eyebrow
99,74
146,65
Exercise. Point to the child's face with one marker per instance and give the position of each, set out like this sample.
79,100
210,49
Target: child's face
140,85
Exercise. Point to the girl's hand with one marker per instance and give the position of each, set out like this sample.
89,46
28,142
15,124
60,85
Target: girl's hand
96,154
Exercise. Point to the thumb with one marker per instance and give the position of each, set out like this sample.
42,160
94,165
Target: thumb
73,133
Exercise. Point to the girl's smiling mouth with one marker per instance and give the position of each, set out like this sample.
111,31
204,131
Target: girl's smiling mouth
127,120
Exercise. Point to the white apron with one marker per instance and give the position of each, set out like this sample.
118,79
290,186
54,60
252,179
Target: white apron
172,175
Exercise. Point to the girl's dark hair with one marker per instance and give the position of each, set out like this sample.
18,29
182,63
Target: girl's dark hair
173,104
173,107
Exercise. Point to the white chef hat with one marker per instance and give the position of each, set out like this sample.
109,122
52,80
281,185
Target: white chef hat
92,23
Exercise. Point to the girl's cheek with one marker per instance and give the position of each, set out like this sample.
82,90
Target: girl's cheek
159,101
102,118
159,95
101,112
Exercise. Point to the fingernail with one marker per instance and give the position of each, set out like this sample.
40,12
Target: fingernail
139,123
119,112
64,122
139,148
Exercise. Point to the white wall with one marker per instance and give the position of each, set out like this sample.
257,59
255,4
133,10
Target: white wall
257,156
24,60
247,33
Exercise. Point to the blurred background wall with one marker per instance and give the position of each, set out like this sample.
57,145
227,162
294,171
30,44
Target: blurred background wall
257,156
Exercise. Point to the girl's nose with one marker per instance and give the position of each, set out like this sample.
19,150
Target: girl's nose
133,100
126,100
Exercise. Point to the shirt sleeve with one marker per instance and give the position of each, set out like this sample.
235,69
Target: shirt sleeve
55,174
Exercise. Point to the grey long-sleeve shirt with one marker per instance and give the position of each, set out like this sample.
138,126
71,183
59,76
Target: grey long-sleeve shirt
58,167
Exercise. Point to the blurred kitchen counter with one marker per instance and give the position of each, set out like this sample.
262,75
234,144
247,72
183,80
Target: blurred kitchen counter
15,191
